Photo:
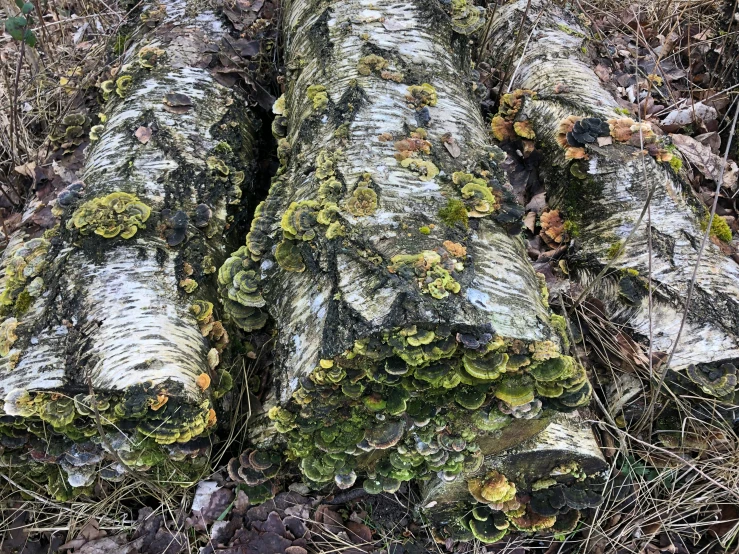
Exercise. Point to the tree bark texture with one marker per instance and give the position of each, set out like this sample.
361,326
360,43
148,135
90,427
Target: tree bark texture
411,324
116,298
602,188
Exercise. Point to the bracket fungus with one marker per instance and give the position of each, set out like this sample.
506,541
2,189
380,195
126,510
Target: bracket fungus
118,213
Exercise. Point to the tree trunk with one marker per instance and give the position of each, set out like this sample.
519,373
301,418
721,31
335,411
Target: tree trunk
411,325
602,190
116,298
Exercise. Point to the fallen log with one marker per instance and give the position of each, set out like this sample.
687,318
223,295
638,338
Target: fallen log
599,167
110,314
411,325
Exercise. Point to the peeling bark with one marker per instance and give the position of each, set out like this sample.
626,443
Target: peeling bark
113,313
609,193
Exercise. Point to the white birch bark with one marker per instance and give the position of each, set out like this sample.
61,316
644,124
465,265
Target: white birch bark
336,291
111,311
608,202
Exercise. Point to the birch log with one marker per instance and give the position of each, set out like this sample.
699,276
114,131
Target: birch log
544,482
116,297
603,189
411,324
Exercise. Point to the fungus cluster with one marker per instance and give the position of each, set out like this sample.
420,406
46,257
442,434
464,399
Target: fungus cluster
253,470
551,504
46,430
221,169
434,270
485,196
208,325
71,132
238,286
318,96
148,56
7,335
118,213
575,133
302,222
410,152
154,15
411,402
509,123
466,17
23,276
120,86
718,382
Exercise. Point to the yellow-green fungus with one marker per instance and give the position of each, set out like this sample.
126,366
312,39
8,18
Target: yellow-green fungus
118,213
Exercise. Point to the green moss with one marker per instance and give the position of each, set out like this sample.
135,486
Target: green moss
560,326
424,230
719,228
614,249
454,212
22,303
676,163
572,228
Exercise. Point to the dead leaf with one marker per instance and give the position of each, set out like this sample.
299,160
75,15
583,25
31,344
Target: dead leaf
685,116
359,533
537,203
605,141
91,531
712,140
699,155
143,134
603,72
529,221
27,169
177,103
451,145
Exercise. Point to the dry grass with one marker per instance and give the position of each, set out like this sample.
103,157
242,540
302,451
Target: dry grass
55,78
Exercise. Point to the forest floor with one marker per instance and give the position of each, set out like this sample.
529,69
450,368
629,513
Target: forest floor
667,64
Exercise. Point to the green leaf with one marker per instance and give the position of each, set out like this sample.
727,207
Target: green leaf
14,27
27,8
30,38
19,3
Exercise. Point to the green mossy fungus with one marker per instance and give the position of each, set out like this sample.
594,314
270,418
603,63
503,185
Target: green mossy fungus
162,430
410,403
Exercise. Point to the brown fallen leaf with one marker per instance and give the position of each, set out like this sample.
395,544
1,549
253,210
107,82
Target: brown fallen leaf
603,72
699,155
177,103
451,145
529,221
143,134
